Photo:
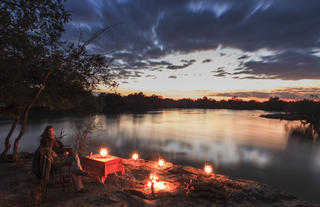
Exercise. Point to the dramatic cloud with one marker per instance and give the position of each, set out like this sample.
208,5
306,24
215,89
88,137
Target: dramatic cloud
243,57
147,31
206,61
220,72
187,63
289,65
172,76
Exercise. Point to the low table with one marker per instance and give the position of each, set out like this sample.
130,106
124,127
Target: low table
102,166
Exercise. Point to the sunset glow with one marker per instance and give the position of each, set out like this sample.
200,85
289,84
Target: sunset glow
199,79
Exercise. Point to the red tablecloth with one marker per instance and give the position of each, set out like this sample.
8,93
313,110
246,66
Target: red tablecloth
102,166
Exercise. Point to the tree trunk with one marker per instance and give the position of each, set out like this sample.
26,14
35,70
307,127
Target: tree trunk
7,142
26,114
24,124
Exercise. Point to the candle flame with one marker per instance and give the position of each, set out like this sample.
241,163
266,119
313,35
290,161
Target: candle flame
208,168
161,162
158,185
135,156
104,152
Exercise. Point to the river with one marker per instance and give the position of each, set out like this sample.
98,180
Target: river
239,144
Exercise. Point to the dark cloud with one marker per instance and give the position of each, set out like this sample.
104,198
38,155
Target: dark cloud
220,72
206,61
287,93
139,65
160,63
149,30
243,57
289,65
172,76
151,76
126,74
186,64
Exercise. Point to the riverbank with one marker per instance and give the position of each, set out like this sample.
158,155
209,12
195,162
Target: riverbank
284,116
183,186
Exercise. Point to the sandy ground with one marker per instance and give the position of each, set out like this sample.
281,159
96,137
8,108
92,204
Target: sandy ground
182,186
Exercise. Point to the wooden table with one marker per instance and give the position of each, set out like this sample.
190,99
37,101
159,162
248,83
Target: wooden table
102,166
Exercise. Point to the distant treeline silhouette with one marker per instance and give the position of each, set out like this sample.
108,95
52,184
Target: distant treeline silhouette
138,102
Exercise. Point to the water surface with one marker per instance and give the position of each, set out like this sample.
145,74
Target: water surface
240,144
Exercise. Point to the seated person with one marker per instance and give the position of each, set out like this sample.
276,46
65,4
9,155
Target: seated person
43,159
55,149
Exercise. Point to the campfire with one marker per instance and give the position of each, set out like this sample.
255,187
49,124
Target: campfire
135,156
103,152
208,168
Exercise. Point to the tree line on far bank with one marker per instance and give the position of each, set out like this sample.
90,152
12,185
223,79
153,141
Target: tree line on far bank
110,103
138,102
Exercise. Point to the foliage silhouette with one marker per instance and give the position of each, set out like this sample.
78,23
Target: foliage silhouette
37,68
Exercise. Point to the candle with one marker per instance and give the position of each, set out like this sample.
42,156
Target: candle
208,168
161,162
104,152
135,156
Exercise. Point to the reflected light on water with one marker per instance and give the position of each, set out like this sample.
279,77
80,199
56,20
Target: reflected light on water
219,126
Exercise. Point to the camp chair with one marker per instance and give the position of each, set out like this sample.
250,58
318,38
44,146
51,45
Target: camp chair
62,176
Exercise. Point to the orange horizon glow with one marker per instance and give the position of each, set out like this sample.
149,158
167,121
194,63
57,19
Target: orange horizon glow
179,97
199,80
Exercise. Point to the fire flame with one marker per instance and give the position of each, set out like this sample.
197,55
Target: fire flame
208,168
156,184
161,162
135,156
104,152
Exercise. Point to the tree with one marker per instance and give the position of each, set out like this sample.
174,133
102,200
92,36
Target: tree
33,58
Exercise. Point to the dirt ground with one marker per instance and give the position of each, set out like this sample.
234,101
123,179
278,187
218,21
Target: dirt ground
181,186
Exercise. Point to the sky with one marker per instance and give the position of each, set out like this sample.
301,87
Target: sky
251,49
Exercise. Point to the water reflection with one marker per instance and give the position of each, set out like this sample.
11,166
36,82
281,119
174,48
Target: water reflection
239,143
304,131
